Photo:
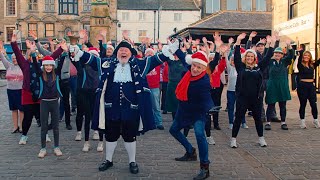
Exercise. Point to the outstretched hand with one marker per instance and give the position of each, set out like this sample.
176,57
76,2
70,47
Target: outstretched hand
33,34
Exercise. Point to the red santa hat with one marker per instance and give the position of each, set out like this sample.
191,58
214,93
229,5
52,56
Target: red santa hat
48,60
94,51
149,50
110,46
199,57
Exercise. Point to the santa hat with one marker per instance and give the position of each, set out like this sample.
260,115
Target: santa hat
250,51
48,60
110,46
199,57
149,50
94,51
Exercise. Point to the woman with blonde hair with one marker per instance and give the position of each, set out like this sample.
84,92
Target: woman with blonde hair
305,87
249,91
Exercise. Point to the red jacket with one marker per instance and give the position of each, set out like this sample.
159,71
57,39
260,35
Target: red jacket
153,78
215,76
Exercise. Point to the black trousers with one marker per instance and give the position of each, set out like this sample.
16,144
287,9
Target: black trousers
127,129
30,110
163,95
65,90
85,105
307,91
242,105
283,111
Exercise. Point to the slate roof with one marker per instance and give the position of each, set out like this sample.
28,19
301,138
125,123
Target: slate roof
154,5
234,20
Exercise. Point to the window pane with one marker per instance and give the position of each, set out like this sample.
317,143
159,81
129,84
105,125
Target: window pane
261,5
209,6
246,5
71,8
232,4
11,8
9,33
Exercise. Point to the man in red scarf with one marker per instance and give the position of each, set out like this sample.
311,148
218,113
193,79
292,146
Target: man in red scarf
193,93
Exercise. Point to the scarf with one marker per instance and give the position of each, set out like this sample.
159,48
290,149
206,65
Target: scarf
182,88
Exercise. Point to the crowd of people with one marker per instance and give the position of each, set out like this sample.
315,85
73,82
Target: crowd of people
121,90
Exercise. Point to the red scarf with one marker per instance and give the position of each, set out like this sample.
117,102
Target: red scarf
182,88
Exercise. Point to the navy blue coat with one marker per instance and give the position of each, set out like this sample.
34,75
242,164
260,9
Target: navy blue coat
137,101
199,99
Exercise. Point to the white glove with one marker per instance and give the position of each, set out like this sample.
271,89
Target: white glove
174,46
76,50
166,52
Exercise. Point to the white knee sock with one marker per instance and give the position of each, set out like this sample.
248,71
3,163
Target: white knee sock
110,147
131,149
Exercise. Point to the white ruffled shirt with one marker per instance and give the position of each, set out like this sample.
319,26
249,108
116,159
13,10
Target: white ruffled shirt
122,73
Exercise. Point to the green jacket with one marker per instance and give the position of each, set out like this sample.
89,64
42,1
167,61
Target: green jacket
278,85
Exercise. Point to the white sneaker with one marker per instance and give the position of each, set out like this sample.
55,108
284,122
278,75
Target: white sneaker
42,153
262,142
95,135
78,136
100,147
233,143
47,138
57,151
86,147
210,140
245,126
316,123
230,126
303,124
23,140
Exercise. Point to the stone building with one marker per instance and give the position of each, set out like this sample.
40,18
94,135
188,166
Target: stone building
55,18
299,21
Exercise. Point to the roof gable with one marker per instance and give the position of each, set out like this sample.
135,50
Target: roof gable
155,4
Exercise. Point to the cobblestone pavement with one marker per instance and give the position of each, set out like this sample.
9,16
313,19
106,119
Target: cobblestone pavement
292,154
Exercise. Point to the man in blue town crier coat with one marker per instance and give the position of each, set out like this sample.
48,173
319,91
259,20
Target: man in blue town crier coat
123,102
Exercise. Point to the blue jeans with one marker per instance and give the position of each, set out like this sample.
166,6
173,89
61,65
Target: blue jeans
200,136
155,100
231,101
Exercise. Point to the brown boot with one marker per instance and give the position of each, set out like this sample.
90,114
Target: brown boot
188,156
204,172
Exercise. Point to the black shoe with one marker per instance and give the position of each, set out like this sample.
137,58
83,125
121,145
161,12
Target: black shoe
69,127
217,127
164,112
50,127
284,127
134,169
16,131
105,165
188,156
38,123
275,119
203,174
267,127
160,127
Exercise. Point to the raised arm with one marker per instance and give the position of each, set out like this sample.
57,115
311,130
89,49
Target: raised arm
267,57
290,53
237,56
22,62
4,60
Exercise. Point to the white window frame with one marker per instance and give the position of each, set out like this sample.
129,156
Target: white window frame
125,16
175,15
5,32
49,4
211,7
142,16
87,4
32,4
5,9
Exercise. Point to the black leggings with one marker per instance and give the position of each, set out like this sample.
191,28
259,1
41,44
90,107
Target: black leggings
306,91
30,110
242,104
85,105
